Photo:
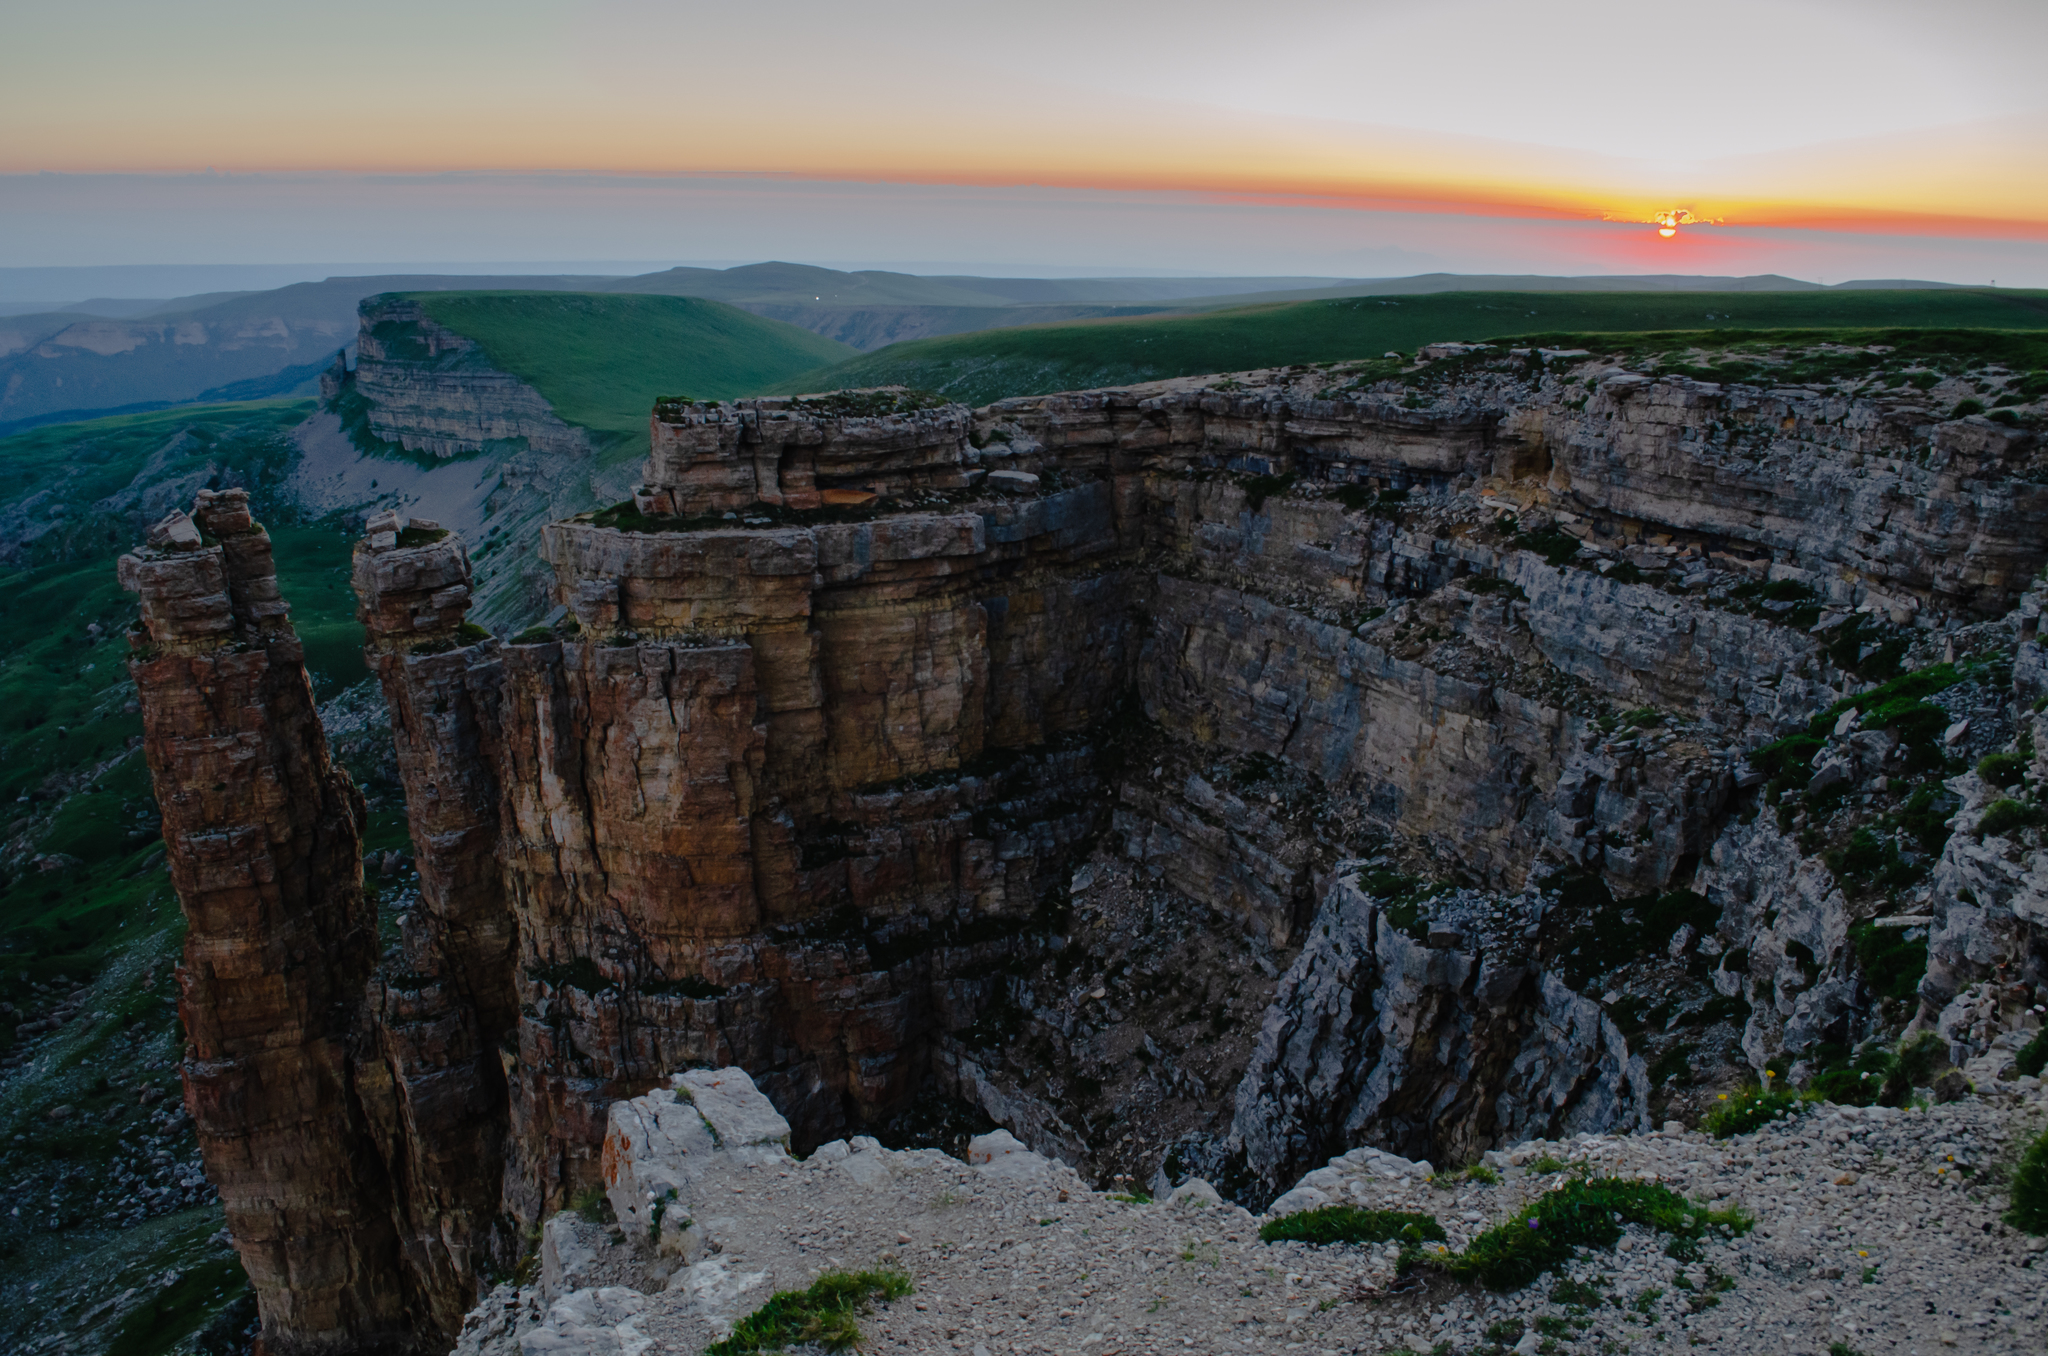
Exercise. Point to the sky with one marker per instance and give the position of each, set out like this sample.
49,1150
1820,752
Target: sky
1827,139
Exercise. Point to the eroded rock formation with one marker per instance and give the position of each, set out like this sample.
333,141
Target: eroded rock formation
263,836
1444,701
430,390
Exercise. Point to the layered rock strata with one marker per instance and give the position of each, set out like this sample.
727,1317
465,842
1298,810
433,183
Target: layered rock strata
441,1010
429,390
263,836
1452,1043
795,778
783,797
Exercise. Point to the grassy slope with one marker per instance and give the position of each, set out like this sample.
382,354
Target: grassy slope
981,367
602,359
70,784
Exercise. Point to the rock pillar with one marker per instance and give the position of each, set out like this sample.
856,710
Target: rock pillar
264,837
444,1009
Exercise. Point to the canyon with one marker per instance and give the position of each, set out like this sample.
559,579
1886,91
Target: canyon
1201,779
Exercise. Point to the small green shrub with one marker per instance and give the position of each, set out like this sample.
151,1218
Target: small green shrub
2006,815
824,1314
1853,1082
1586,1213
1487,583
657,1213
1746,1110
2033,1056
1259,489
2029,1209
1965,408
1921,1059
1925,816
2003,770
1556,546
1350,1224
1577,1294
1544,1165
1892,966
592,1206
1789,759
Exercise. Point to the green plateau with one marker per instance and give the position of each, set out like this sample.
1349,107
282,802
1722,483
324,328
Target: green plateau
1032,360
602,359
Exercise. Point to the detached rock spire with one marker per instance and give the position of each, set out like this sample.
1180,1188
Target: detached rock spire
264,838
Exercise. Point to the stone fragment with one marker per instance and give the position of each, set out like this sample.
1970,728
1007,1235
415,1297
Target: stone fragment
566,1262
739,1117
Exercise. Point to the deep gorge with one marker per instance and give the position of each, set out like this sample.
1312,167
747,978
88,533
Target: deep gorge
1463,714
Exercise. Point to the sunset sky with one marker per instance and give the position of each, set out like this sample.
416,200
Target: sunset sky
1823,138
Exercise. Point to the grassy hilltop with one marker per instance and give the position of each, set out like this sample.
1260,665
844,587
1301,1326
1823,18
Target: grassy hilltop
977,368
602,359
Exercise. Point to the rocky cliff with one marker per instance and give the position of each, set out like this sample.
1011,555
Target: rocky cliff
432,391
263,836
1488,710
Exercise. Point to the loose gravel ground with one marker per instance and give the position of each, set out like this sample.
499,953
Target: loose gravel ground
1875,1229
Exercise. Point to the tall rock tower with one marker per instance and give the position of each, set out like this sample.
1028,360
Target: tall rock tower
264,838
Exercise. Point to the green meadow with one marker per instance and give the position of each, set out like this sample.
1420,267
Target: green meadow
977,368
601,359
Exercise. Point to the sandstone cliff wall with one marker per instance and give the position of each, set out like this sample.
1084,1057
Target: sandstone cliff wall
431,390
263,838
834,704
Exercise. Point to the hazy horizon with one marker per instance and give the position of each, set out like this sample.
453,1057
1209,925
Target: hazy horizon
1822,139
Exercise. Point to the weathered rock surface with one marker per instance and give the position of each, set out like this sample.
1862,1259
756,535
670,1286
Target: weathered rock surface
263,836
431,390
1871,1228
796,780
1446,1044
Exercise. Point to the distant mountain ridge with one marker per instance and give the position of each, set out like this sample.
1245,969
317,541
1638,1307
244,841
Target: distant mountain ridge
118,355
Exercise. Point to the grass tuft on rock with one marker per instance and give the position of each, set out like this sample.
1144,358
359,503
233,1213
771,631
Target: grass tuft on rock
1350,1224
824,1315
2028,1211
1589,1213
2033,1056
1747,1110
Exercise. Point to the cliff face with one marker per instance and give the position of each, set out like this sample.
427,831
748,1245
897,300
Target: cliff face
263,837
1442,701
431,390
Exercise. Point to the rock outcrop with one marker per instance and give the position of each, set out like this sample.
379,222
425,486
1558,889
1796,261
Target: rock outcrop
1447,1038
263,836
429,390
1447,701
1010,1249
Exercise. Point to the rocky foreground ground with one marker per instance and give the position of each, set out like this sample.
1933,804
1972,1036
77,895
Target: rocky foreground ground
1875,1229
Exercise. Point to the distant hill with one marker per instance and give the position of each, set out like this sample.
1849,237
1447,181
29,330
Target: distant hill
72,365
601,359
124,353
977,368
